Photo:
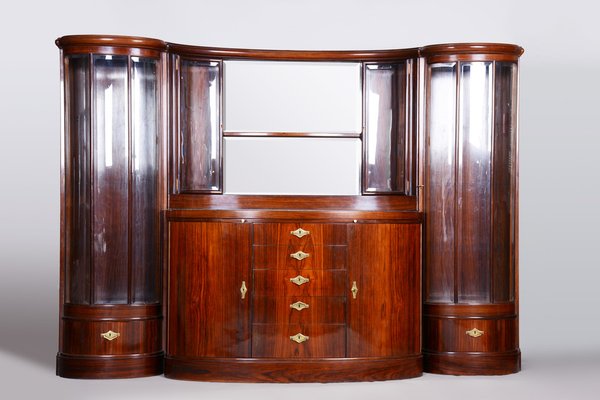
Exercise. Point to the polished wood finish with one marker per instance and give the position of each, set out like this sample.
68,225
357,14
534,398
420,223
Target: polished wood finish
290,370
273,341
142,138
283,202
110,263
470,207
206,315
463,363
383,319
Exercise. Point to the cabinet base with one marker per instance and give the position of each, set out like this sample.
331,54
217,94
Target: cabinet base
293,370
472,363
109,367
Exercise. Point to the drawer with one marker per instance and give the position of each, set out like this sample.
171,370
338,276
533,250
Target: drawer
279,310
324,340
318,234
485,335
311,257
317,283
111,337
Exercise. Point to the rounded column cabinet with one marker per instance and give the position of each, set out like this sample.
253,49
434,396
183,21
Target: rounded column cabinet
470,322
111,312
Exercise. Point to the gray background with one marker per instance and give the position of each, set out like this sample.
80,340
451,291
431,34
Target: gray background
560,185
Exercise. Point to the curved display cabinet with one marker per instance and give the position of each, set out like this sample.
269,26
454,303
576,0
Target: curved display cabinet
287,216
470,323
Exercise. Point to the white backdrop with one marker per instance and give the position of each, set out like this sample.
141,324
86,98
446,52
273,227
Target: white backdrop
560,177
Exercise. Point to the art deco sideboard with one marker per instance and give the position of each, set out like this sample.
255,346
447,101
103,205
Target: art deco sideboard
287,216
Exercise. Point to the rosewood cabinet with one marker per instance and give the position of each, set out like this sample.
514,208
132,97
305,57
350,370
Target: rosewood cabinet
279,301
287,216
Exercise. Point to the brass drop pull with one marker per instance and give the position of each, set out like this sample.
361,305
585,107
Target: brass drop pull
243,290
299,306
354,290
474,332
299,280
299,338
300,233
110,335
299,255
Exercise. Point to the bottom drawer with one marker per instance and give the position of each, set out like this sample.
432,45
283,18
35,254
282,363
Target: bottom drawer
319,341
111,337
470,334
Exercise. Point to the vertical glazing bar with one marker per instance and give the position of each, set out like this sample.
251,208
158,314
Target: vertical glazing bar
457,181
129,184
92,172
492,141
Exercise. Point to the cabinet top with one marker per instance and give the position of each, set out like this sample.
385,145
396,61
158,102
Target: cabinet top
433,53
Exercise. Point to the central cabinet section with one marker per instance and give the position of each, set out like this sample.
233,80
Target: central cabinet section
292,296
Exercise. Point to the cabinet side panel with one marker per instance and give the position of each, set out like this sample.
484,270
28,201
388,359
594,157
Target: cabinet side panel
111,180
440,184
145,218
77,285
474,187
384,318
505,108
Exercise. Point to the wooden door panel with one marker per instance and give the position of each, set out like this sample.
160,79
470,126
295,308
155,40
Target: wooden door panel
207,263
384,261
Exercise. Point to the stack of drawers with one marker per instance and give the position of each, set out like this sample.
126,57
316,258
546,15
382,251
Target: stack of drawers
300,290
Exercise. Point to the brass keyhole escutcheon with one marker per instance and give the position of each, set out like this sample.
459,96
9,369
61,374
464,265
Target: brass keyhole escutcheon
354,290
300,233
243,290
299,280
299,306
299,338
475,332
110,335
299,255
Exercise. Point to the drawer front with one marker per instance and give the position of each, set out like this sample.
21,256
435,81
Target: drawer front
320,340
470,335
300,257
111,337
299,310
283,234
316,283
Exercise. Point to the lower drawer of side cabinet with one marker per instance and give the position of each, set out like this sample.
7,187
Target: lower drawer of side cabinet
111,337
299,341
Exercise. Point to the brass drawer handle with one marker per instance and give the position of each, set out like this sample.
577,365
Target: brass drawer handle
354,290
299,280
299,255
299,306
474,332
300,233
110,335
243,290
299,338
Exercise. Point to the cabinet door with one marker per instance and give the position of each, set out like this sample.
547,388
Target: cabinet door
384,267
208,261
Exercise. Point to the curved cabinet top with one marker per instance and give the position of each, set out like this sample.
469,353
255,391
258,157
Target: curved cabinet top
132,45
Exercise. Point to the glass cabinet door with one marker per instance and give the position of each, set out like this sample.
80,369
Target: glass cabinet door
199,127
387,139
